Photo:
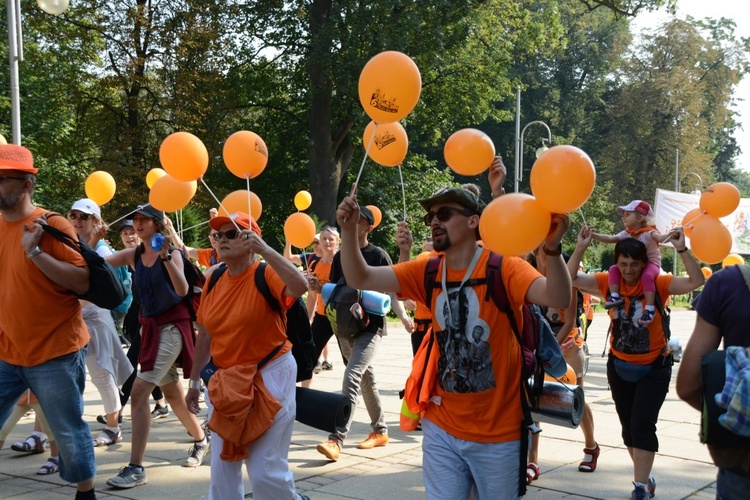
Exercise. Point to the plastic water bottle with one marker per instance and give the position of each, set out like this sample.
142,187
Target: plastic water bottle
675,345
157,241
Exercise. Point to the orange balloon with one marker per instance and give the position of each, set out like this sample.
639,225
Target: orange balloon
720,199
299,229
170,195
183,156
711,241
377,214
568,378
689,221
387,144
389,86
707,272
563,178
514,224
732,259
469,151
154,175
236,201
100,187
245,154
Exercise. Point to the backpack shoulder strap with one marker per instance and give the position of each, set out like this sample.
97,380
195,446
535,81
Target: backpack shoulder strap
60,235
495,286
429,278
218,272
260,282
745,271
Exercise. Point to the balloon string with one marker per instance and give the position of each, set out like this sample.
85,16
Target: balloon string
249,206
197,225
688,223
127,214
364,159
220,205
403,191
583,218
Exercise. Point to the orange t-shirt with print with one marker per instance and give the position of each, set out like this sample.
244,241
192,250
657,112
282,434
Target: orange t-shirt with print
243,327
556,318
637,344
423,312
39,320
322,271
479,360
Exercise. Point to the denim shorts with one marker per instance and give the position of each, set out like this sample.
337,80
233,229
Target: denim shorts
58,384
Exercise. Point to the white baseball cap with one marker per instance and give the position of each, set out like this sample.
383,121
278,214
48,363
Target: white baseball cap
87,206
640,206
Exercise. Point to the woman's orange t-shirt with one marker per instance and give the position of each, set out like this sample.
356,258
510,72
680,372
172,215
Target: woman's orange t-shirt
39,320
479,363
322,271
243,327
652,344
556,318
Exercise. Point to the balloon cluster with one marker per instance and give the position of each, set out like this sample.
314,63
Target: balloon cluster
299,228
710,240
562,179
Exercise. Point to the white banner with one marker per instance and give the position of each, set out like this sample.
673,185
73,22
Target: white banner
670,208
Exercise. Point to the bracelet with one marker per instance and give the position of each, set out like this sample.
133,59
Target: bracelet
683,250
36,251
167,258
552,253
502,192
194,384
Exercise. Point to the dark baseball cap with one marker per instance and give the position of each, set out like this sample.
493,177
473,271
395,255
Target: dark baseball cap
459,195
367,214
149,211
126,223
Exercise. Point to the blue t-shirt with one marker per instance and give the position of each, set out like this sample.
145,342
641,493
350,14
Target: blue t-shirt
724,303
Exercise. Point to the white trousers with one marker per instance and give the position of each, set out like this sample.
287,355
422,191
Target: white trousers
268,465
105,384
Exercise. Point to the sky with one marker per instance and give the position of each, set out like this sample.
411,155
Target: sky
730,9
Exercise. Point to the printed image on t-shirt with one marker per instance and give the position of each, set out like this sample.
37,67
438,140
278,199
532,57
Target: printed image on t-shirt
630,337
465,363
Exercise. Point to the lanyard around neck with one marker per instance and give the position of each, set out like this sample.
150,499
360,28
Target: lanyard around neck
467,275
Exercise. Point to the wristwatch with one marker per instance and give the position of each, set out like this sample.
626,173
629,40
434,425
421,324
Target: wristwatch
553,253
34,252
167,258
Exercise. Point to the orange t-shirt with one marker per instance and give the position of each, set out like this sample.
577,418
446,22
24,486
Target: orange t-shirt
635,343
556,318
479,360
39,320
323,273
243,327
423,312
205,257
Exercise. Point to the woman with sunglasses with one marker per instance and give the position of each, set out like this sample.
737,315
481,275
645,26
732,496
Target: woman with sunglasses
255,363
167,340
108,366
318,275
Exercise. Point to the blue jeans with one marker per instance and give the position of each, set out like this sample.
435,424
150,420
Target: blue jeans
731,486
58,384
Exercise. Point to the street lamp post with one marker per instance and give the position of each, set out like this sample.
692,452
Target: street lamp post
15,53
700,183
519,141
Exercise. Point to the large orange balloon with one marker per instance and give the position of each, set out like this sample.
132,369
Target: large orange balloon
689,221
707,272
720,199
711,241
170,195
183,156
302,200
236,201
376,214
100,187
514,224
154,175
299,229
563,178
732,259
568,378
469,151
389,86
387,144
245,154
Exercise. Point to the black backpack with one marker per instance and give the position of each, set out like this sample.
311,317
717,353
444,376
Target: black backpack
345,312
105,289
297,323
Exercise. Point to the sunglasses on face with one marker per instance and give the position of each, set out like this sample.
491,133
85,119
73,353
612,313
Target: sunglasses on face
445,213
74,216
230,235
6,178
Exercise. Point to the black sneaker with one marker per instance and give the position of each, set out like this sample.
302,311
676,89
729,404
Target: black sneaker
160,412
102,419
646,318
326,365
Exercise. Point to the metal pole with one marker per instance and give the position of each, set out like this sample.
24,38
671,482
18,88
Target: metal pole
676,188
14,54
518,139
519,176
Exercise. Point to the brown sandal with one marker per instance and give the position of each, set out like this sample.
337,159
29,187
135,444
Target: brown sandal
590,465
532,472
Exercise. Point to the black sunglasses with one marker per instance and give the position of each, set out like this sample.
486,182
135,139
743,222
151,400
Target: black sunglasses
6,178
445,213
74,216
230,235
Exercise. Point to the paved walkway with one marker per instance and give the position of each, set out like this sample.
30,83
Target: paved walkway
682,468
